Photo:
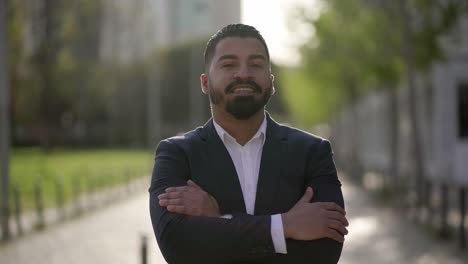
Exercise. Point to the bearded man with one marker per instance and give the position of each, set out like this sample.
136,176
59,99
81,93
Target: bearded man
243,188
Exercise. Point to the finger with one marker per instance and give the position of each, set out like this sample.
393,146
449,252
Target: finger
176,189
340,217
333,207
333,234
179,209
167,202
307,195
338,226
193,184
171,195
163,202
337,216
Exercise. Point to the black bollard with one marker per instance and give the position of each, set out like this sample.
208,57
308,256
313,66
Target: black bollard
59,198
144,249
444,229
462,217
40,224
76,190
91,194
128,180
85,191
428,198
17,203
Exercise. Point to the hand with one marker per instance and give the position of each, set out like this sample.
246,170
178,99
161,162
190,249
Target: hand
189,200
310,221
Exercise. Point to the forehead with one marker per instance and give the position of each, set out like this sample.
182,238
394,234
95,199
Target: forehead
240,47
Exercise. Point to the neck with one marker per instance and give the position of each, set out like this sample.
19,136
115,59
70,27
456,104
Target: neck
241,130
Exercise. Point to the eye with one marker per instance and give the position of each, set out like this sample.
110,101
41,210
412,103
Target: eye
257,65
227,65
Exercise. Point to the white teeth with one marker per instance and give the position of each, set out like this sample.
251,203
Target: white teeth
244,89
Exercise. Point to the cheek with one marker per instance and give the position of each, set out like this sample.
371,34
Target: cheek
220,83
266,82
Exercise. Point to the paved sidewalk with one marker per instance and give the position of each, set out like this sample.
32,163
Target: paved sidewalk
112,235
383,235
87,202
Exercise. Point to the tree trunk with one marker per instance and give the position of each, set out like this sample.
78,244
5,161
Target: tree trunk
393,114
356,167
44,65
394,136
416,146
4,125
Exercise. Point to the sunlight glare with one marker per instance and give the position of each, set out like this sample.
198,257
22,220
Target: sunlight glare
282,34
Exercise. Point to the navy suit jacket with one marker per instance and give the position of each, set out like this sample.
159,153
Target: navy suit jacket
291,161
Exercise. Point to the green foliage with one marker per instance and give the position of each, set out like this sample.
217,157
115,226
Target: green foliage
305,99
62,92
348,55
357,46
432,19
53,66
177,79
85,169
15,17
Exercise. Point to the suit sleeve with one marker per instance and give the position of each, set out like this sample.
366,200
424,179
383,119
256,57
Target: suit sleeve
189,239
322,177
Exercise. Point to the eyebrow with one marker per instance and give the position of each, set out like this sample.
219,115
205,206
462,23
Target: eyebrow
257,56
233,57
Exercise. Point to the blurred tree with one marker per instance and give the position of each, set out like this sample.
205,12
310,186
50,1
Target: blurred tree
371,44
16,60
79,71
420,25
67,63
350,54
57,79
4,126
46,22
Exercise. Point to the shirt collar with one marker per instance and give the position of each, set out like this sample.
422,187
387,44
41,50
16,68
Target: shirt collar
224,135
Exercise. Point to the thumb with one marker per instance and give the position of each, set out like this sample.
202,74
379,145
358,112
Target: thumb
309,193
193,184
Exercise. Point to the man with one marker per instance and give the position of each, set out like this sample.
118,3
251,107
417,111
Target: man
242,188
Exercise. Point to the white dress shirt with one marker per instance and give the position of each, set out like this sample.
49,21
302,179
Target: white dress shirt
247,160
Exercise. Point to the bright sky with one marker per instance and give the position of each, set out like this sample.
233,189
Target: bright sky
271,18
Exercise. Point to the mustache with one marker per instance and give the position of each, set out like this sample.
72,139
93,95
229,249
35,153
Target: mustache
248,83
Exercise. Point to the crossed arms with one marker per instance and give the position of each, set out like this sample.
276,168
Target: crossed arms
188,227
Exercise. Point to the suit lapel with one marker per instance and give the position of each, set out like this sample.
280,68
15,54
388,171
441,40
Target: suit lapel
221,176
271,167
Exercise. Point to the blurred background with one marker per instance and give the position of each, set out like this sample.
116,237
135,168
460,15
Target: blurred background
89,87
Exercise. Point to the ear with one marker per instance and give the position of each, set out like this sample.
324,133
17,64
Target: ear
273,90
204,83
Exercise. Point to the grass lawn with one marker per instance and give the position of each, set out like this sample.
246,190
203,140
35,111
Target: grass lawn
74,171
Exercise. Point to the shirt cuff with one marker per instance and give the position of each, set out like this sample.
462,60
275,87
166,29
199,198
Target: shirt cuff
277,234
226,216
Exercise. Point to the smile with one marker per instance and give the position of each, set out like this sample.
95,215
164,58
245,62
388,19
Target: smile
243,90
247,88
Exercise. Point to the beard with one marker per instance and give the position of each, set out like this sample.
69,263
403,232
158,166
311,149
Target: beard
242,107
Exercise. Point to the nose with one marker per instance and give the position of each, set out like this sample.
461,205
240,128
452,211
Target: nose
243,72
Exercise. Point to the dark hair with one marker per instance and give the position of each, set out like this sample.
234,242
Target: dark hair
232,30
